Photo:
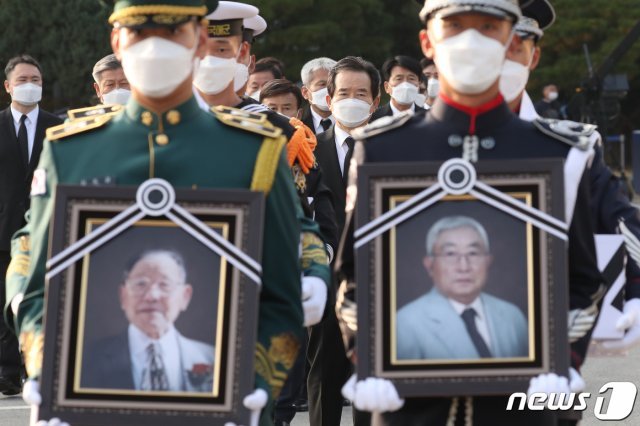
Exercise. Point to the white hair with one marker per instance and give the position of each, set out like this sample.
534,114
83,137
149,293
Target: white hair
454,222
306,74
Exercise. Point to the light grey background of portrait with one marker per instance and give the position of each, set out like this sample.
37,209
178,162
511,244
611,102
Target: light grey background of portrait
507,274
104,317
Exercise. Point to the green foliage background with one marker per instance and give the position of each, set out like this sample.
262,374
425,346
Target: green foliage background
69,36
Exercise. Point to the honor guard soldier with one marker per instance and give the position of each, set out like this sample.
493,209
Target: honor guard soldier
160,123
609,200
468,40
227,47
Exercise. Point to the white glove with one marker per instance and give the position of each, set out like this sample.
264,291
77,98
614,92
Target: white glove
629,322
549,383
255,402
314,299
552,383
372,394
31,395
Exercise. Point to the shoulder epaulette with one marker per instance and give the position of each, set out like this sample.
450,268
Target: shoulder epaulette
262,128
75,114
74,127
381,125
577,135
239,113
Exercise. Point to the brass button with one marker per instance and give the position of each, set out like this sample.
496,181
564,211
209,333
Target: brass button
173,117
162,139
147,118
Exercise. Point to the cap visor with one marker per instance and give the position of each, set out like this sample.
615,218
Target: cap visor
154,22
468,8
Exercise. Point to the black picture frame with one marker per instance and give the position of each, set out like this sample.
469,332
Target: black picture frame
521,206
94,232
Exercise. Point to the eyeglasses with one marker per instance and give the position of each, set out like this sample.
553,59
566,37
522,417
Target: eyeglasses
453,258
139,286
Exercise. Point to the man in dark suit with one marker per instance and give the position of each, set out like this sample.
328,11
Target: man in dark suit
353,94
314,75
402,76
22,130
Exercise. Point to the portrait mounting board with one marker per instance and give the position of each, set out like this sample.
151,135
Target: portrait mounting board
462,283
151,305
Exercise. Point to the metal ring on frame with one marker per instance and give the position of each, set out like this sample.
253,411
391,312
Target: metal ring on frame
166,202
452,166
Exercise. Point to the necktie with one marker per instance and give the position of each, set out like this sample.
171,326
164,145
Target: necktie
347,159
23,140
325,123
154,377
468,316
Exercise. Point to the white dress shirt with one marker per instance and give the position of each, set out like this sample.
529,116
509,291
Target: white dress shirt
480,317
396,111
169,351
317,121
341,146
30,123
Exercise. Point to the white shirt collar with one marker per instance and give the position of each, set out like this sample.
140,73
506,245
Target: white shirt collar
527,110
396,111
32,116
201,102
169,349
317,119
476,305
341,137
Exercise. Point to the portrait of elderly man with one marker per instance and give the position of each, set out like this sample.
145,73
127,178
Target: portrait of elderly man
457,319
151,355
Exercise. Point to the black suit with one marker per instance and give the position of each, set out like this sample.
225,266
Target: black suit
307,118
386,111
329,366
108,364
327,158
15,183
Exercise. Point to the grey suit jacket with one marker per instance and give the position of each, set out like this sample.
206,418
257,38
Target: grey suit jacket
107,364
429,328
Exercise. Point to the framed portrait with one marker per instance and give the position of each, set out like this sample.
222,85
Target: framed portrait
461,274
151,305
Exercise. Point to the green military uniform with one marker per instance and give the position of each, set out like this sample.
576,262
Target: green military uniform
190,149
137,145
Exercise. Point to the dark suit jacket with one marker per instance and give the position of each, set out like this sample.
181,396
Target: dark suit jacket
327,158
15,177
107,364
307,118
385,110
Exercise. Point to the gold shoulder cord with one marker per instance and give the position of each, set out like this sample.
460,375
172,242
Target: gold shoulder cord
267,163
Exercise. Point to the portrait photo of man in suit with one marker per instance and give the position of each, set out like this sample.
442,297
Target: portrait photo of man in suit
456,318
151,354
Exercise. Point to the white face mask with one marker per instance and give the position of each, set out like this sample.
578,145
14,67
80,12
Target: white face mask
214,74
156,66
421,99
116,97
553,96
241,77
405,93
255,95
470,61
27,94
433,87
319,99
350,112
513,79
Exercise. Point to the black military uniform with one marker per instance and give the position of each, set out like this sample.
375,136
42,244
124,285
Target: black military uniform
436,138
